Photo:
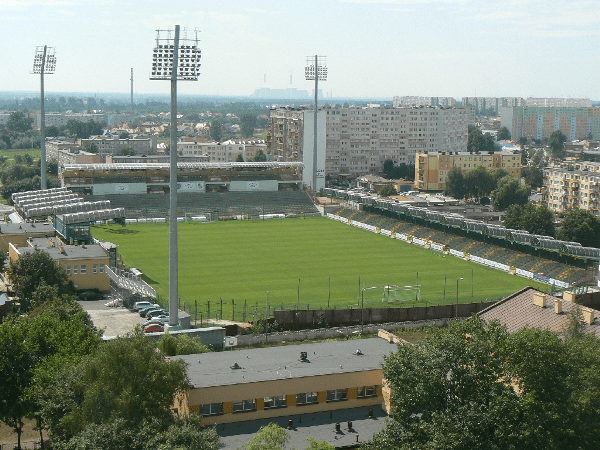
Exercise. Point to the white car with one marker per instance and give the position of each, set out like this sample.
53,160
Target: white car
139,305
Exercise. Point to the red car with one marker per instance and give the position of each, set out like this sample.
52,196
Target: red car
154,328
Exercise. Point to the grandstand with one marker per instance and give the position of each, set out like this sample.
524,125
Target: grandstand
511,257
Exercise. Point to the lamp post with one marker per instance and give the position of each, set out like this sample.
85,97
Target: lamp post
315,69
43,62
267,319
456,312
174,59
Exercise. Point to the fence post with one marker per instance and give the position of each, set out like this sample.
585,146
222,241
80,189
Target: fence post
208,310
244,310
233,310
221,308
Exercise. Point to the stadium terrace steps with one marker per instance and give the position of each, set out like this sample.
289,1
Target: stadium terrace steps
218,204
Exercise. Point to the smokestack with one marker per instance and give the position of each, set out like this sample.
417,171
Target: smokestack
132,88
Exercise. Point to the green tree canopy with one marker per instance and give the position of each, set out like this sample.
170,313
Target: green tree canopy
479,182
247,124
503,134
557,144
128,150
534,219
269,437
580,226
472,385
402,171
455,183
387,190
509,192
31,271
533,176
239,158
18,122
125,379
259,156
216,130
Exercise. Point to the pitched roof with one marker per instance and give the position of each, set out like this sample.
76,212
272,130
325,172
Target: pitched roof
518,311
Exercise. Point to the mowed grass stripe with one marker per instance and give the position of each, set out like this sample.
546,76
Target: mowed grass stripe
243,260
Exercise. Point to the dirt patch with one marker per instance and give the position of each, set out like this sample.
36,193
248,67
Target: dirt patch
29,435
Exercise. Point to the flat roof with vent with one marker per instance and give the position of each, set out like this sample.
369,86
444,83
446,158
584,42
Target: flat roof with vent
278,363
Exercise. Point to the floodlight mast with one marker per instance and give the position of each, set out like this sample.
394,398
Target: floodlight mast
165,66
316,69
43,62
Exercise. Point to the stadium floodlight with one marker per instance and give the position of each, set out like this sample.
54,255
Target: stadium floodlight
44,62
174,59
315,69
456,312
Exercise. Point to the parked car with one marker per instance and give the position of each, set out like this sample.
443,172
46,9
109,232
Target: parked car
161,320
155,313
154,328
141,305
147,309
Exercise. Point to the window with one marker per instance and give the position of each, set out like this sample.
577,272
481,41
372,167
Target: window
306,398
337,395
244,406
211,409
367,391
95,268
83,268
75,270
277,401
68,270
101,268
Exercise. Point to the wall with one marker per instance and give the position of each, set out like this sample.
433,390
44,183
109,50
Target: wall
337,317
119,188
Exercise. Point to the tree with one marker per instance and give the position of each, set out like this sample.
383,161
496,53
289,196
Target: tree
509,192
90,147
31,270
16,373
455,183
479,182
473,385
216,130
580,226
52,131
128,150
314,445
125,379
503,134
533,176
18,122
259,156
247,124
124,135
531,218
392,172
239,158
557,144
387,190
269,437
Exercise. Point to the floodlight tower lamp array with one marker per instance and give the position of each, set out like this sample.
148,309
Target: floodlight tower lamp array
174,59
315,69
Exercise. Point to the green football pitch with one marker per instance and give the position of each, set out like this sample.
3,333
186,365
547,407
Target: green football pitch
310,263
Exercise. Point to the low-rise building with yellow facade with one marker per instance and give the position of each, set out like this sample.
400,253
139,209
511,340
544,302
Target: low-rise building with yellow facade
576,187
431,169
235,386
85,264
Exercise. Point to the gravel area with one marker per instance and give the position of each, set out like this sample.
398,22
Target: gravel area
115,321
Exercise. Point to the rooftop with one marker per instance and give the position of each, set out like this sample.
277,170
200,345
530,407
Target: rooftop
278,363
69,251
518,311
27,228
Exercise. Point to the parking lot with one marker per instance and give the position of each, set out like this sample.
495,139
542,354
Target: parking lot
115,321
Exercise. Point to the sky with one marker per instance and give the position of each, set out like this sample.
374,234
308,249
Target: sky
374,48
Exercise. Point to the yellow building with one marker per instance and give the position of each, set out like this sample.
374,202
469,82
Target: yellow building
431,169
85,264
18,234
235,386
572,188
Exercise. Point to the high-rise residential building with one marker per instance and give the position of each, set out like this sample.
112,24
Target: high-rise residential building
411,100
485,105
533,122
360,140
431,169
575,187
559,102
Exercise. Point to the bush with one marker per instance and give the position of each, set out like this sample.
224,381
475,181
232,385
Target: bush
187,345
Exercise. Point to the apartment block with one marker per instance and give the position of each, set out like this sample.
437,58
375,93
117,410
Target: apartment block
559,102
226,151
410,100
431,169
536,122
483,105
360,140
60,119
113,145
573,187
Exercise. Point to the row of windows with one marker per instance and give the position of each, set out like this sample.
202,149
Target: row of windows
83,269
279,401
